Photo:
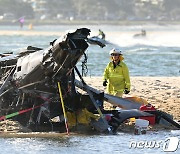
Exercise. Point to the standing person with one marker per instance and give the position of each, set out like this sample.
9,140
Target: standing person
101,33
116,75
21,21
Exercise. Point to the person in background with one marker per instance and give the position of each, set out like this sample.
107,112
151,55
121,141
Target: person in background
116,75
101,33
21,21
143,32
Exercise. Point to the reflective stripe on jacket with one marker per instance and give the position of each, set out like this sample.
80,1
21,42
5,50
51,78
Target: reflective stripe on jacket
118,78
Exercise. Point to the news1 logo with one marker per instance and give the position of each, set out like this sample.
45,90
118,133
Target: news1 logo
171,144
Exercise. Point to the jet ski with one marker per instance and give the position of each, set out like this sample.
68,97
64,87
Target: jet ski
97,39
140,35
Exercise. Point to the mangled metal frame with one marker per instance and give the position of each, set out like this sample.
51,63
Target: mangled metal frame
33,74
29,79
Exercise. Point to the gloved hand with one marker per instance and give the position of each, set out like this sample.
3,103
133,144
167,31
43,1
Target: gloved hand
105,83
126,91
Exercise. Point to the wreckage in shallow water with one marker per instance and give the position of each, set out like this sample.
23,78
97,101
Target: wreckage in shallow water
29,89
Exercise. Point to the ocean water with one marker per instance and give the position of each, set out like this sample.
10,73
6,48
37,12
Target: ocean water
158,54
85,144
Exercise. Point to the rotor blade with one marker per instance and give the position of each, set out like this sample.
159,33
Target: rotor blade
118,101
121,102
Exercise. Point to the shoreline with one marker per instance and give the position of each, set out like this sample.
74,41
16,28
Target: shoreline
89,22
29,33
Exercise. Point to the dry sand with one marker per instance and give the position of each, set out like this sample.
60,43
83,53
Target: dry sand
162,92
30,32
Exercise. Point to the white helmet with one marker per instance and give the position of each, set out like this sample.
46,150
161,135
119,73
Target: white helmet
116,51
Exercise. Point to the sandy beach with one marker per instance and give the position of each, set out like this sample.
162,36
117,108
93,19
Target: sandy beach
29,33
162,92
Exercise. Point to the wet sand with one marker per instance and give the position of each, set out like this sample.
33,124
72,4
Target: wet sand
162,92
36,135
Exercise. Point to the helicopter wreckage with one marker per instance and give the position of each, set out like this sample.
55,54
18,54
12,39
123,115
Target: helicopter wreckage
30,88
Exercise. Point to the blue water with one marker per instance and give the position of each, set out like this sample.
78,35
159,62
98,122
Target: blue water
120,143
156,55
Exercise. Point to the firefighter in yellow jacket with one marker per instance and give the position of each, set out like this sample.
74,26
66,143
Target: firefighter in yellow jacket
116,75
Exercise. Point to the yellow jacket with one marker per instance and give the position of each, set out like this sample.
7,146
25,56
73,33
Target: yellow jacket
118,78
81,117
